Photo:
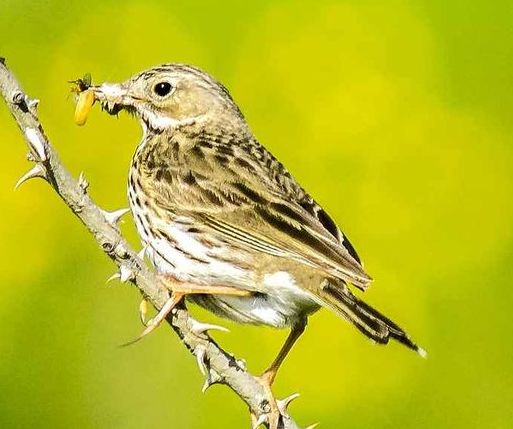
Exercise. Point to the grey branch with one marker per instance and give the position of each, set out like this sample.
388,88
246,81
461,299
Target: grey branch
218,365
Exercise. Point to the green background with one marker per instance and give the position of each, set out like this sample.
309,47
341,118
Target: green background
395,115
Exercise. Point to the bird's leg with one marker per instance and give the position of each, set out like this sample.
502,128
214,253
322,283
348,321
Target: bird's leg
268,376
188,288
179,290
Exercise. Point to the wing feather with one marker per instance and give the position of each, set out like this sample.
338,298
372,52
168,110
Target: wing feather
240,191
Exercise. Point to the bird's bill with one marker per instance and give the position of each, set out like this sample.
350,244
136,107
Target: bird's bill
112,96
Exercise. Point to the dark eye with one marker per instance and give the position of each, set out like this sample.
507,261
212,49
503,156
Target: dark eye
162,88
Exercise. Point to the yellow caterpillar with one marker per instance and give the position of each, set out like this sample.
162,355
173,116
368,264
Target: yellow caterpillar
84,105
85,98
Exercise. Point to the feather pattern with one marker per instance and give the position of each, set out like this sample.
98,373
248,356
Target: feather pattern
214,207
198,176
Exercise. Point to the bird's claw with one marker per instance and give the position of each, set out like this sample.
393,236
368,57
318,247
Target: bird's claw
273,410
154,323
143,312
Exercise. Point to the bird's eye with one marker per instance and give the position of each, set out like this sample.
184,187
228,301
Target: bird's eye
162,89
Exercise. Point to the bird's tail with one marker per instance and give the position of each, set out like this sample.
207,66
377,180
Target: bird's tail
369,321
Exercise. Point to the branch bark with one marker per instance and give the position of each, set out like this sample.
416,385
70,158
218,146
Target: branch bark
219,366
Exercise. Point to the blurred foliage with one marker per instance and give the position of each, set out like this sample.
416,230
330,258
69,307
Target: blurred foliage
395,115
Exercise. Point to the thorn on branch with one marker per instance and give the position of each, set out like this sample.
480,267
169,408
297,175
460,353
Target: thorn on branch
284,403
241,364
200,328
113,277
221,366
115,216
142,253
82,182
32,105
125,274
37,171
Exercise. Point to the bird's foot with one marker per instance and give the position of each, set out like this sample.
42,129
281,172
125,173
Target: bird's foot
271,414
178,291
154,323
275,411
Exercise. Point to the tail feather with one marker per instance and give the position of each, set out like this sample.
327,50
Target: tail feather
368,320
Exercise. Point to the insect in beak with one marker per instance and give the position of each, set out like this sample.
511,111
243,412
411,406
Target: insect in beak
112,97
86,98
85,103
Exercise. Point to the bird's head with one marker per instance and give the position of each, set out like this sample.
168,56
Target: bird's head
170,96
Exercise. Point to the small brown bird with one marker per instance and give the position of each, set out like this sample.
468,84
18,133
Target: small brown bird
223,220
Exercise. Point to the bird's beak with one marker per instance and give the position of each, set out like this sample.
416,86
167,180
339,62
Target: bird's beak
112,96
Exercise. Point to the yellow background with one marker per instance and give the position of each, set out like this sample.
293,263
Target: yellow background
395,115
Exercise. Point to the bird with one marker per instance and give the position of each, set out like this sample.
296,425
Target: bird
224,222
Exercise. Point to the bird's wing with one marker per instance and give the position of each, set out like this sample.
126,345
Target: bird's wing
241,192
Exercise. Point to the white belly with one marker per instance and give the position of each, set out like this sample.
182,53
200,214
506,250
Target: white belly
281,306
277,301
187,259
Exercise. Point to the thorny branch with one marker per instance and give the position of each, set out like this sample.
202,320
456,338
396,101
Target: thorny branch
217,365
